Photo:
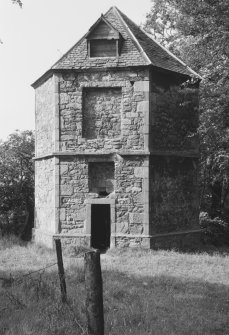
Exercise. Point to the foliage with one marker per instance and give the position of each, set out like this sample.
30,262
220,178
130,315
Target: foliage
18,2
198,33
215,231
175,122
17,183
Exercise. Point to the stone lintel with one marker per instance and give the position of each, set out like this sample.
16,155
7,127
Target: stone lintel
102,201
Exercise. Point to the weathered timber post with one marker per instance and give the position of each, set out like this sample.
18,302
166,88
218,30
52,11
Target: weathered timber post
61,271
94,291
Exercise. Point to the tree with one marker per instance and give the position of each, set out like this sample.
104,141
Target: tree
18,2
198,33
17,184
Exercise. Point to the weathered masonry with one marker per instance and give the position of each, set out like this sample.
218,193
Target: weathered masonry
116,145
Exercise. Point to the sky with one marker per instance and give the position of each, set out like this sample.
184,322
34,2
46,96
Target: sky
34,38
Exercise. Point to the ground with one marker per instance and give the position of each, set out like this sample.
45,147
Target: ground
145,292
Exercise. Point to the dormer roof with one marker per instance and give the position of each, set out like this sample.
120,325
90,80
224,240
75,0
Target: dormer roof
103,29
138,49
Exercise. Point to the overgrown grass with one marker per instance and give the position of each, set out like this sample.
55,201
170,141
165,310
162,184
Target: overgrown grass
145,292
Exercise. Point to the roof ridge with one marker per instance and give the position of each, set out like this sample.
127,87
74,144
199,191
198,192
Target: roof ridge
155,41
169,52
130,33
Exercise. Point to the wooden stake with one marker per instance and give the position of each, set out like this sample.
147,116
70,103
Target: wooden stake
61,271
94,291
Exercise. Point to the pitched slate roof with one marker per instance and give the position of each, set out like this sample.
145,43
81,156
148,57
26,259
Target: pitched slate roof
77,57
139,49
157,54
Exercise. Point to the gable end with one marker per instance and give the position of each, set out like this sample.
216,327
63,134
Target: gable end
103,40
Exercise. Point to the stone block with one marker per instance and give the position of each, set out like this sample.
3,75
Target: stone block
139,172
66,190
138,198
62,214
63,169
141,86
143,106
126,121
79,215
64,98
136,218
145,243
122,227
136,229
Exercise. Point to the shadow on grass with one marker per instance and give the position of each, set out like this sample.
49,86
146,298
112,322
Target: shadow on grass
164,305
139,305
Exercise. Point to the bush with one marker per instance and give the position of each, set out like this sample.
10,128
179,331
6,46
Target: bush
215,231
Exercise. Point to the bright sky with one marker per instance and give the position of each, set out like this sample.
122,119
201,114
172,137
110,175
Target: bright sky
34,38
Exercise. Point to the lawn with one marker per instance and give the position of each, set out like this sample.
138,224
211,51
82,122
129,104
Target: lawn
145,292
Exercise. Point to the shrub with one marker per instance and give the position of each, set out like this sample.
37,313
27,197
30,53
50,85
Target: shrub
215,231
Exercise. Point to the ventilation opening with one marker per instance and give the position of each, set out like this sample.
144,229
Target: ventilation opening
103,48
101,178
100,226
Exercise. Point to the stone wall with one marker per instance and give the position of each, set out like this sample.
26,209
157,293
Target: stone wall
174,114
106,124
132,112
73,192
44,195
101,113
44,118
174,197
128,194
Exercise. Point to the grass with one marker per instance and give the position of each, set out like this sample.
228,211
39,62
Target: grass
145,292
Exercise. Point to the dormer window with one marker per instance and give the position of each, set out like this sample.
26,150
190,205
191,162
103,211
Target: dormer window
103,48
103,40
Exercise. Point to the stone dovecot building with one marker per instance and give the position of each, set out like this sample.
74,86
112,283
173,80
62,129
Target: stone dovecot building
116,147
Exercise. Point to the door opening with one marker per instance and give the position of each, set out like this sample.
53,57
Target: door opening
100,226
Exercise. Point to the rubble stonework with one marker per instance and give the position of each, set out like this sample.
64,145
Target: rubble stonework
74,192
101,109
121,94
116,145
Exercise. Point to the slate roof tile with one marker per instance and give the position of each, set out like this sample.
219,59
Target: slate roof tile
138,49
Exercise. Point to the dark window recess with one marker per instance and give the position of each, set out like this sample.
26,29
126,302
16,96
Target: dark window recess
102,48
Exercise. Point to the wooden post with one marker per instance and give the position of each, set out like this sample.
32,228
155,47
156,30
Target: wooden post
94,291
61,271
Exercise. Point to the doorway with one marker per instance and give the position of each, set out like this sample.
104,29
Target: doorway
100,226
